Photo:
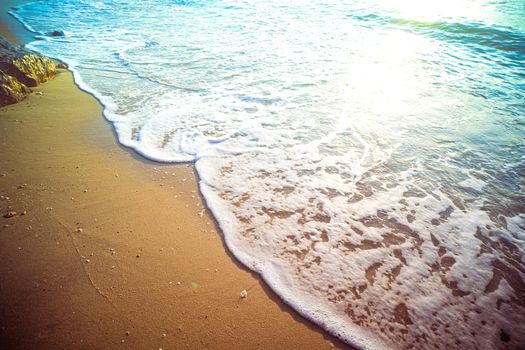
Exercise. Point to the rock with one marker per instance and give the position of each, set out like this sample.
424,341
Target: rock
9,214
20,69
11,90
57,33
26,66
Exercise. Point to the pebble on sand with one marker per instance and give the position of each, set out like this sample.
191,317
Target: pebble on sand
10,214
244,294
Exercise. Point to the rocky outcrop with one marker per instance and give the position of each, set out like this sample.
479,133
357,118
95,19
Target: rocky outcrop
11,90
20,69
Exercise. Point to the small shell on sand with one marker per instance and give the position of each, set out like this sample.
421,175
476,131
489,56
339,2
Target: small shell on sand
244,294
79,230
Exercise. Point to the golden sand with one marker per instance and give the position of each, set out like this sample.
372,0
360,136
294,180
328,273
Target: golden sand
109,250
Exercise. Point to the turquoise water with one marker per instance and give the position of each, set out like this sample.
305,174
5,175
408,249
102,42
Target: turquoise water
367,158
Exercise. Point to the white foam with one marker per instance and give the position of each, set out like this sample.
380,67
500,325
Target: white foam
473,183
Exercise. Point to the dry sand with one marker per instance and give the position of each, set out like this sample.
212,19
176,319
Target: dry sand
109,250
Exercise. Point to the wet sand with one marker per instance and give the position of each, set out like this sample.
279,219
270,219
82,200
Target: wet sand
109,250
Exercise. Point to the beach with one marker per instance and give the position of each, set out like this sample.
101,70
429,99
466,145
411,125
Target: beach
260,174
109,250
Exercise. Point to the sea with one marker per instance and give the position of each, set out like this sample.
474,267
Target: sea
365,157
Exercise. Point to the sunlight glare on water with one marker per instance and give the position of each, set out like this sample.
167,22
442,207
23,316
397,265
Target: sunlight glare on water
431,11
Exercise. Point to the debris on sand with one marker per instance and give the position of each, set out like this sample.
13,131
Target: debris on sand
9,214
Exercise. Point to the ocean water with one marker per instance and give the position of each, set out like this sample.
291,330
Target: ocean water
366,157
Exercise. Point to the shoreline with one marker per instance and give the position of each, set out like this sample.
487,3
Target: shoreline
107,237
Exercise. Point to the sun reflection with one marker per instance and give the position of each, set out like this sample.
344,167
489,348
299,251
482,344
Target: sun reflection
391,75
431,11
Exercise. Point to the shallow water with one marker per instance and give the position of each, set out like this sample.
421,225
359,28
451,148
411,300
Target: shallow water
366,158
